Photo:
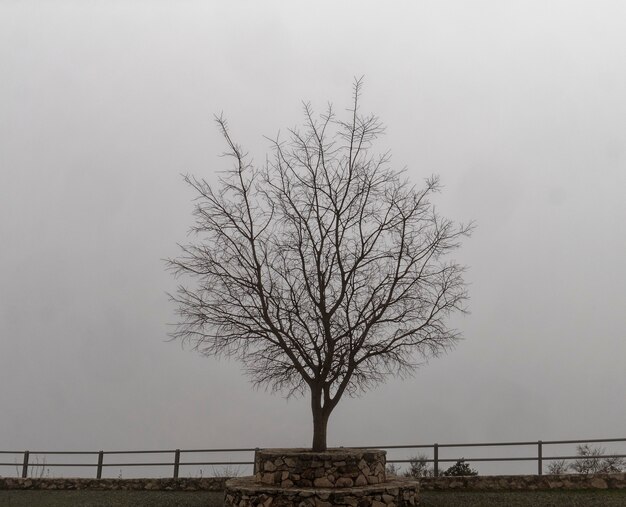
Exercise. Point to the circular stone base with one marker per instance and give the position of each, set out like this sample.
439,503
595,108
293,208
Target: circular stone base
334,468
397,492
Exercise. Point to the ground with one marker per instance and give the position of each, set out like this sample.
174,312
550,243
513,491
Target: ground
13,498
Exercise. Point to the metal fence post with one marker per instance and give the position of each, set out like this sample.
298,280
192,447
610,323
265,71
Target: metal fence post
254,467
176,462
99,469
25,465
540,457
436,459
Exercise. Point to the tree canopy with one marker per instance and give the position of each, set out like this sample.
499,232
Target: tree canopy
322,270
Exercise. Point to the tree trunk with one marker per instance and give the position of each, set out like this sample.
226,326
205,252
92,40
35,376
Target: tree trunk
320,421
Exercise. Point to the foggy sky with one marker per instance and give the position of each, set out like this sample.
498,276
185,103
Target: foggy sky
518,106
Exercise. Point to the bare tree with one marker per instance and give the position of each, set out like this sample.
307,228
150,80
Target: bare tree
594,460
323,270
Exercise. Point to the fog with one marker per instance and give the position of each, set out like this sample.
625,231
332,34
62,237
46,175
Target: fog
518,106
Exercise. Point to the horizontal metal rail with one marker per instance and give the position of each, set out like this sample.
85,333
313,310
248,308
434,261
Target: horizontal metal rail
136,464
545,442
26,464
510,458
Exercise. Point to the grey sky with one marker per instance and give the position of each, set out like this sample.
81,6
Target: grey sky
518,106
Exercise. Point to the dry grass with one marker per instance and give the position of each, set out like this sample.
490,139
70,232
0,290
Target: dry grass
597,498
86,498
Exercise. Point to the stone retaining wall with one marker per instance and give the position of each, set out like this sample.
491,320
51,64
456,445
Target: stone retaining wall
477,483
246,492
524,482
334,468
182,484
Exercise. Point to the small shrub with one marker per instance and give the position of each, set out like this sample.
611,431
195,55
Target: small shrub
418,467
392,469
590,463
460,468
36,468
558,467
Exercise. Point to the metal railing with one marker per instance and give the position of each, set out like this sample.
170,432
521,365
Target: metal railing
100,464
538,445
99,456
